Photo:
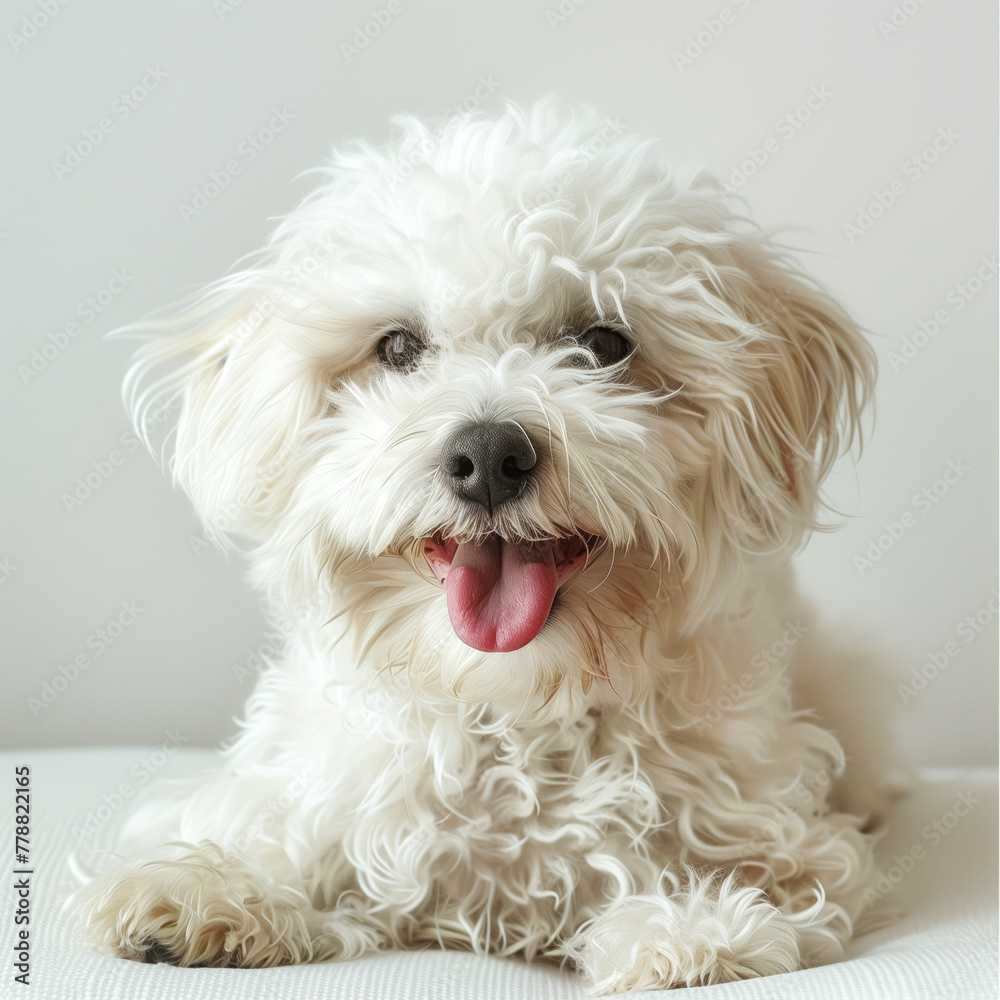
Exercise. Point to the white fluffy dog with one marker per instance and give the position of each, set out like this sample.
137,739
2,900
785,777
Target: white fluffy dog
524,426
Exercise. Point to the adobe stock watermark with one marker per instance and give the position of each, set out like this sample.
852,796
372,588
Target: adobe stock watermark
561,13
938,660
922,502
246,152
759,509
899,17
97,642
31,24
276,808
257,659
930,836
712,29
913,169
364,34
761,662
957,299
806,793
223,8
285,623
486,87
966,982
446,295
121,108
7,570
228,518
553,189
141,772
787,126
292,278
102,469
88,310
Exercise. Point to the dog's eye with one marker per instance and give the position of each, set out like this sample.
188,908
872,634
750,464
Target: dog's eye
608,346
400,350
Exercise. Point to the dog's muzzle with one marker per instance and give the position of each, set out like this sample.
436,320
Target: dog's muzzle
500,589
489,463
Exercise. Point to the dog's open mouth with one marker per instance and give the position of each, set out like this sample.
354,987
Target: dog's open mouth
500,593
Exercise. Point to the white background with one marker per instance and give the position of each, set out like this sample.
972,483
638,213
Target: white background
229,66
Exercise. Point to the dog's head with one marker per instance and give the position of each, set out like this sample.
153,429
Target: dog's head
503,396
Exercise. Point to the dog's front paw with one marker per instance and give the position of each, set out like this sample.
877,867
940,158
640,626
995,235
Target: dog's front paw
697,937
196,905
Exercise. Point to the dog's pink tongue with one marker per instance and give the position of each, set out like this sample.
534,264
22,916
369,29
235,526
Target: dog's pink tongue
500,594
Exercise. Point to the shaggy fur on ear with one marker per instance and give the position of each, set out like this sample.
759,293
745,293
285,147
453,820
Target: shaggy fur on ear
630,788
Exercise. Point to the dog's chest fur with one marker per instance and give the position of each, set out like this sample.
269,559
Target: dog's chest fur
524,818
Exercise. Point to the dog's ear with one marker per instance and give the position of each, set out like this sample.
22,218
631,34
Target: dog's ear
804,375
241,396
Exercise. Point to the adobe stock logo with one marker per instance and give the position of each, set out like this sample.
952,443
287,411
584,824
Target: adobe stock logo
938,660
711,29
786,126
923,501
247,151
88,310
957,299
914,168
97,642
365,34
899,17
121,108
45,11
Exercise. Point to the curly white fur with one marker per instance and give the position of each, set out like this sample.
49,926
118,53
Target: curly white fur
597,795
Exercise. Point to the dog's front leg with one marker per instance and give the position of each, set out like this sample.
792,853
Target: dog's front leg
744,907
693,929
218,871
199,904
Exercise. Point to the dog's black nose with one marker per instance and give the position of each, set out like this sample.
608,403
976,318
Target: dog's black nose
488,463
